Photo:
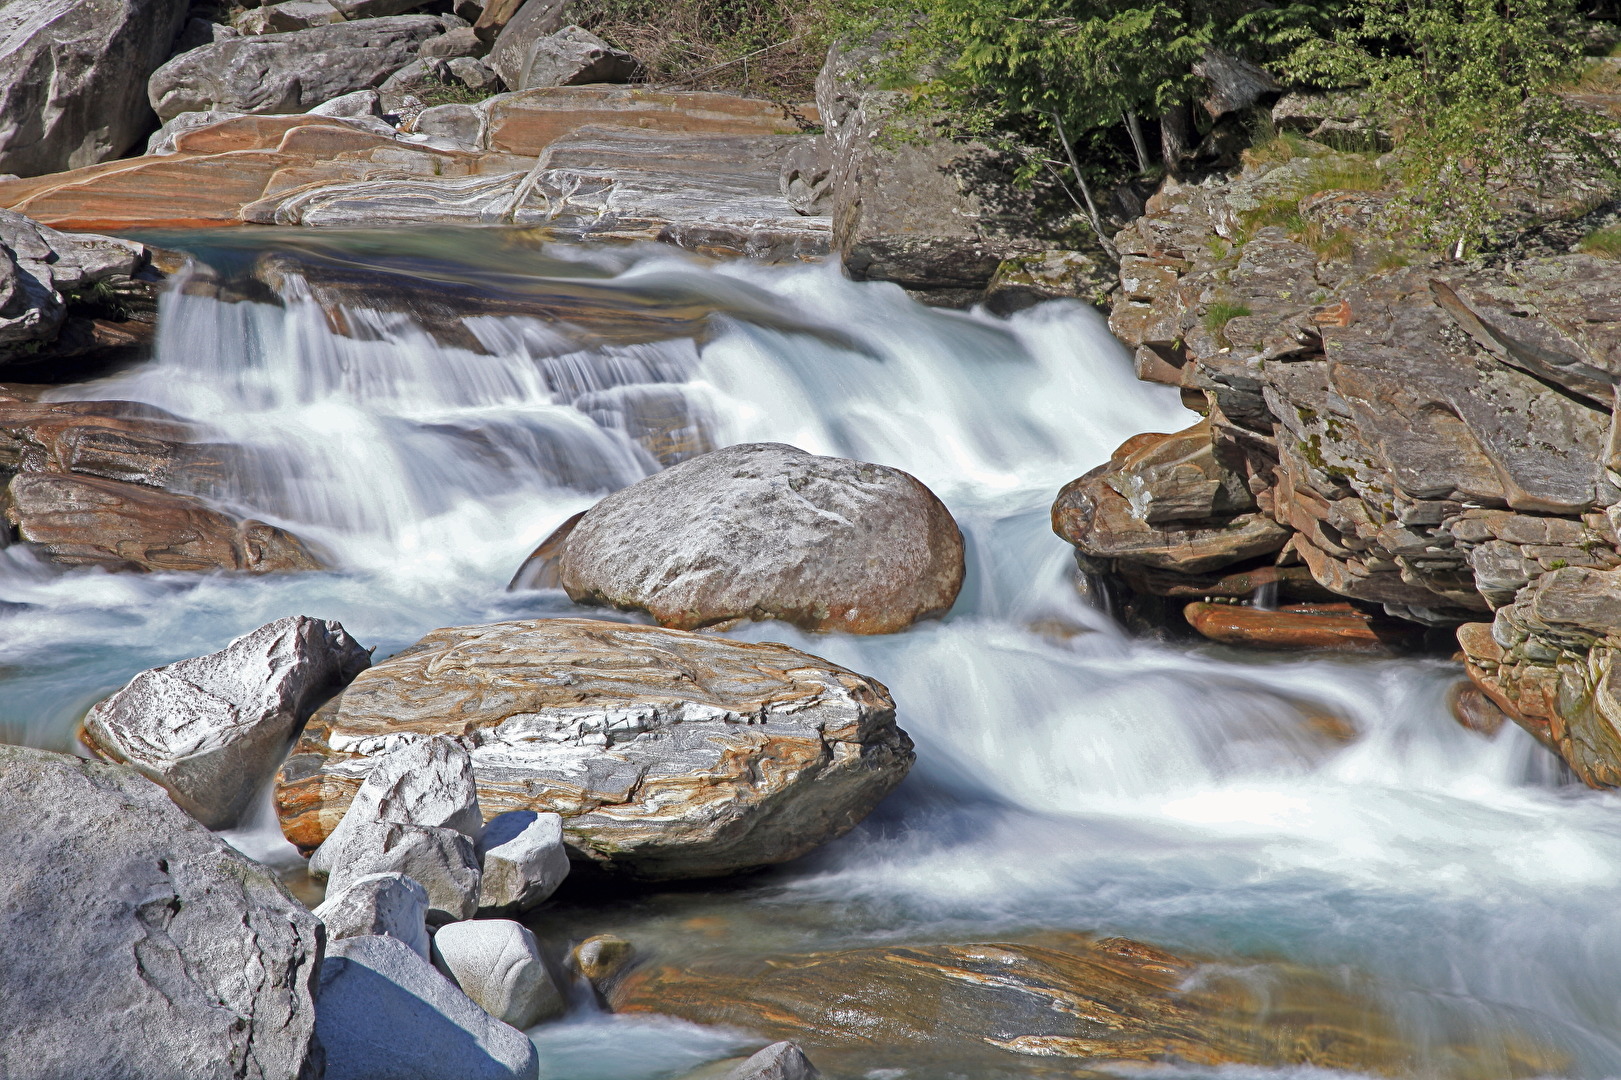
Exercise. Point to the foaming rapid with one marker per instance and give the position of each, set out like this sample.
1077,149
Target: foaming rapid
1326,812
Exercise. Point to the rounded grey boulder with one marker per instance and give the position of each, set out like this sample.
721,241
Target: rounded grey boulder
135,943
763,531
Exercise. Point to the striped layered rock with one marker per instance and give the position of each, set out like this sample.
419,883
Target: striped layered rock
667,754
697,170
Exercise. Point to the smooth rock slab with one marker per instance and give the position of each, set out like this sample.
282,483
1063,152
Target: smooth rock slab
378,904
214,728
135,943
386,1014
667,754
767,531
497,963
523,860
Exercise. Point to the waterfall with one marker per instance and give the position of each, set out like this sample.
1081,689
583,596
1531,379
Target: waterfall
1323,810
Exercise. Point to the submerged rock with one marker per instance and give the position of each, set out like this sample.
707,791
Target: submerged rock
213,729
1340,627
667,754
135,943
71,78
767,531
1050,1008
386,1014
497,963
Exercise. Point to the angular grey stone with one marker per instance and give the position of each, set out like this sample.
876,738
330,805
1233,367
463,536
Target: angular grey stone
473,73
523,859
515,41
286,17
442,861
214,728
289,73
390,904
570,57
359,103
162,140
421,781
71,73
779,1061
372,9
135,943
386,1014
461,42
497,963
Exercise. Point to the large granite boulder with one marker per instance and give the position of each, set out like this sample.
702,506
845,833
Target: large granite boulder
667,754
87,521
765,531
291,72
213,729
71,78
386,1014
136,944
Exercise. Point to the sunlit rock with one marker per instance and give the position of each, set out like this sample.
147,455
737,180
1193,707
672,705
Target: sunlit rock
667,754
1337,627
767,531
523,859
135,943
779,1061
378,904
497,963
213,729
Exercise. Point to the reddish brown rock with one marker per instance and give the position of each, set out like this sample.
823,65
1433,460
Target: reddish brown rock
527,122
117,440
1340,627
90,521
1472,709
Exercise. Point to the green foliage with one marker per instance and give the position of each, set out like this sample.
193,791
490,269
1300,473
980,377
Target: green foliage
763,48
1219,313
1605,243
433,92
1466,88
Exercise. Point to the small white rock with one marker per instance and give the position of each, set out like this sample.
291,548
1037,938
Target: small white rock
523,859
498,964
388,904
779,1061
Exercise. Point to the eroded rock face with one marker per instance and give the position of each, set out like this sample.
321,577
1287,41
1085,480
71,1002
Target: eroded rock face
88,521
136,943
667,754
71,78
767,531
213,729
289,72
1435,439
988,1009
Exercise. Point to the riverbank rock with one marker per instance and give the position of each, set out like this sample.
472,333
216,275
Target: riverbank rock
87,521
667,754
779,1061
1337,627
767,531
1426,436
390,905
523,860
136,943
72,75
213,729
569,57
289,72
497,963
1066,1002
386,1014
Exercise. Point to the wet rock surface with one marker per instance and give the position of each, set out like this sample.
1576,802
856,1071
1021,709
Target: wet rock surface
667,754
213,729
1340,627
767,531
175,957
1040,1008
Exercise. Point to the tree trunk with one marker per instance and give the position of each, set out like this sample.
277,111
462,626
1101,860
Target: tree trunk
1176,138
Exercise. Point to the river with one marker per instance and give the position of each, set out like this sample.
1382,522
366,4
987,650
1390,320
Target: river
1069,777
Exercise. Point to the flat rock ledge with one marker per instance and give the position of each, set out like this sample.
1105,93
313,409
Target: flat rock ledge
667,754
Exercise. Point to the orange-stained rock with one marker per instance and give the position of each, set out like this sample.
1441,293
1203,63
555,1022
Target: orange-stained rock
90,521
1047,1008
1474,710
1302,626
528,121
179,191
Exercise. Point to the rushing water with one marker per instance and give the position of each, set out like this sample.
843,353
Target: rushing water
1068,777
